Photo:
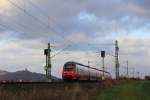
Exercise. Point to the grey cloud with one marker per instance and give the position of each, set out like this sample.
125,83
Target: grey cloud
142,3
62,16
114,16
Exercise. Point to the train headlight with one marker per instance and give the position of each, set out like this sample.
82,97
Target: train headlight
72,72
64,72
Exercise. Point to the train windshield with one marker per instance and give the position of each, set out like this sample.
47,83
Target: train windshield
68,67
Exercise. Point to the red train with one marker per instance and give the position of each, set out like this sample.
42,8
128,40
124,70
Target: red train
77,71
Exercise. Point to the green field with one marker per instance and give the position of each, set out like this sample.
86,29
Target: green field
131,90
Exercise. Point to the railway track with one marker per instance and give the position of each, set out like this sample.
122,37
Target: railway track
44,82
29,82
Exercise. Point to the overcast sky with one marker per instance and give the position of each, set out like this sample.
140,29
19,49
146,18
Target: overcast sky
26,26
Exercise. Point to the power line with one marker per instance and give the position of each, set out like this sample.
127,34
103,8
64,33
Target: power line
97,64
110,55
14,30
47,26
49,18
17,25
43,12
21,9
34,17
10,28
26,12
61,51
39,9
103,45
6,27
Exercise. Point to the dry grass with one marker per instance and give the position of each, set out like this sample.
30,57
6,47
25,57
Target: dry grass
71,91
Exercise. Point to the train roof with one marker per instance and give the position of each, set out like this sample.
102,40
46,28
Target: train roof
72,62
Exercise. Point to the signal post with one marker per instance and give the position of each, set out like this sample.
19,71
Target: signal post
103,56
117,59
47,53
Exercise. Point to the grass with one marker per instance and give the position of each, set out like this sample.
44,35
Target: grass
131,90
126,90
71,91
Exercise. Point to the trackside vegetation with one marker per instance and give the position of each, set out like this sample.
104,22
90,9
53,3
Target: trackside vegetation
130,90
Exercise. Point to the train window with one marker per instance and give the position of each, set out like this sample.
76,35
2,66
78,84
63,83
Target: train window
68,67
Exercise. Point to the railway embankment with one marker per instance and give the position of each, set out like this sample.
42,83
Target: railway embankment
54,91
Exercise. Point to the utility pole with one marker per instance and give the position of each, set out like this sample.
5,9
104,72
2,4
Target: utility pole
103,65
138,73
133,72
89,68
127,69
88,63
103,56
47,52
117,59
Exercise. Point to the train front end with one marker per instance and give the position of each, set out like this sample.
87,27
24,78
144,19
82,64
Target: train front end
69,72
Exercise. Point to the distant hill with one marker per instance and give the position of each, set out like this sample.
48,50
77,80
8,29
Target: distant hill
23,75
3,72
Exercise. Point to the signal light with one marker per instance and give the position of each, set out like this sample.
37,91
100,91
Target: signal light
46,52
102,54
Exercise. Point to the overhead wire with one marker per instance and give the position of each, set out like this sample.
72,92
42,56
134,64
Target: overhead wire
100,52
36,18
50,19
47,26
60,51
29,14
39,9
16,25
9,28
6,27
12,29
